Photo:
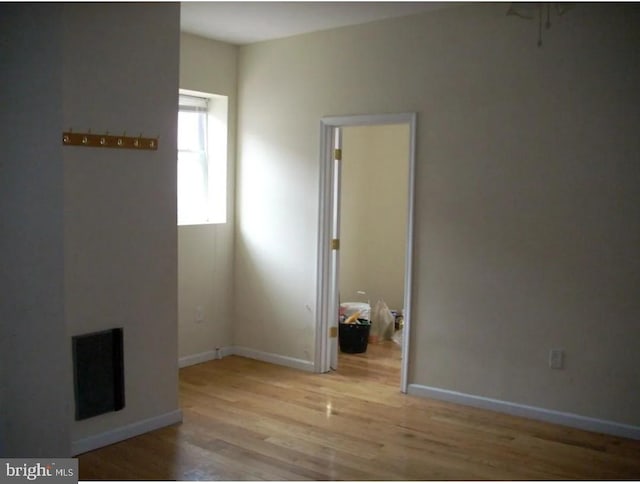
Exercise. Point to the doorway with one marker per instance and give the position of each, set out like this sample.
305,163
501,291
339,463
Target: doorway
332,130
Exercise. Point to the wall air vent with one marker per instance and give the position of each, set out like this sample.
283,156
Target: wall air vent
98,373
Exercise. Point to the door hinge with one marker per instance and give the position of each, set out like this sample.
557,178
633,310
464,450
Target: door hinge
333,332
337,154
335,244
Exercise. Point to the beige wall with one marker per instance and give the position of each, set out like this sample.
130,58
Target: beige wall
527,217
374,213
90,235
120,205
205,252
35,366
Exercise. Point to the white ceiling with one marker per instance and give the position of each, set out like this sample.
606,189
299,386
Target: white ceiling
242,22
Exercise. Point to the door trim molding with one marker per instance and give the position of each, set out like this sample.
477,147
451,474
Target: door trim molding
323,296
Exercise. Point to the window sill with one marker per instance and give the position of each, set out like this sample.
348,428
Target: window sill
196,224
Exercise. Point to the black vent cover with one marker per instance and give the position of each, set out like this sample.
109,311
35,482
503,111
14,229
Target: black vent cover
98,372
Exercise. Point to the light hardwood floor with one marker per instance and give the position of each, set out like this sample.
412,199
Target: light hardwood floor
248,420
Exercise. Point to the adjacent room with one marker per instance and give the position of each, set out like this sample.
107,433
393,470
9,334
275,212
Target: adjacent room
500,229
373,215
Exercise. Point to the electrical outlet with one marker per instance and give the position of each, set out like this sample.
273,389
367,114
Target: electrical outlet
556,359
199,314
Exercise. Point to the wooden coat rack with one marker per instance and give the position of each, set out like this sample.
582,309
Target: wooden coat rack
106,140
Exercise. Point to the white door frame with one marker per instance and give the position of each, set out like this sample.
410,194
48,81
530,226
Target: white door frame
324,312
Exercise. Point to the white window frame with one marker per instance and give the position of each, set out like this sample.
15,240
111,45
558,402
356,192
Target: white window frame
217,159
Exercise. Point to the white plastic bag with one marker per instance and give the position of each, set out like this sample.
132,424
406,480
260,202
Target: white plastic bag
397,337
383,320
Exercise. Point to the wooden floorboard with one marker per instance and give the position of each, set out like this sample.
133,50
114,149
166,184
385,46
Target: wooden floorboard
249,420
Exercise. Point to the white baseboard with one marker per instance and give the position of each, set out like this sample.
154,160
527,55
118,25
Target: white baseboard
536,413
247,353
273,358
122,433
205,356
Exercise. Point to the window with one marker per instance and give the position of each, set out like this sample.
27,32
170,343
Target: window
202,158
